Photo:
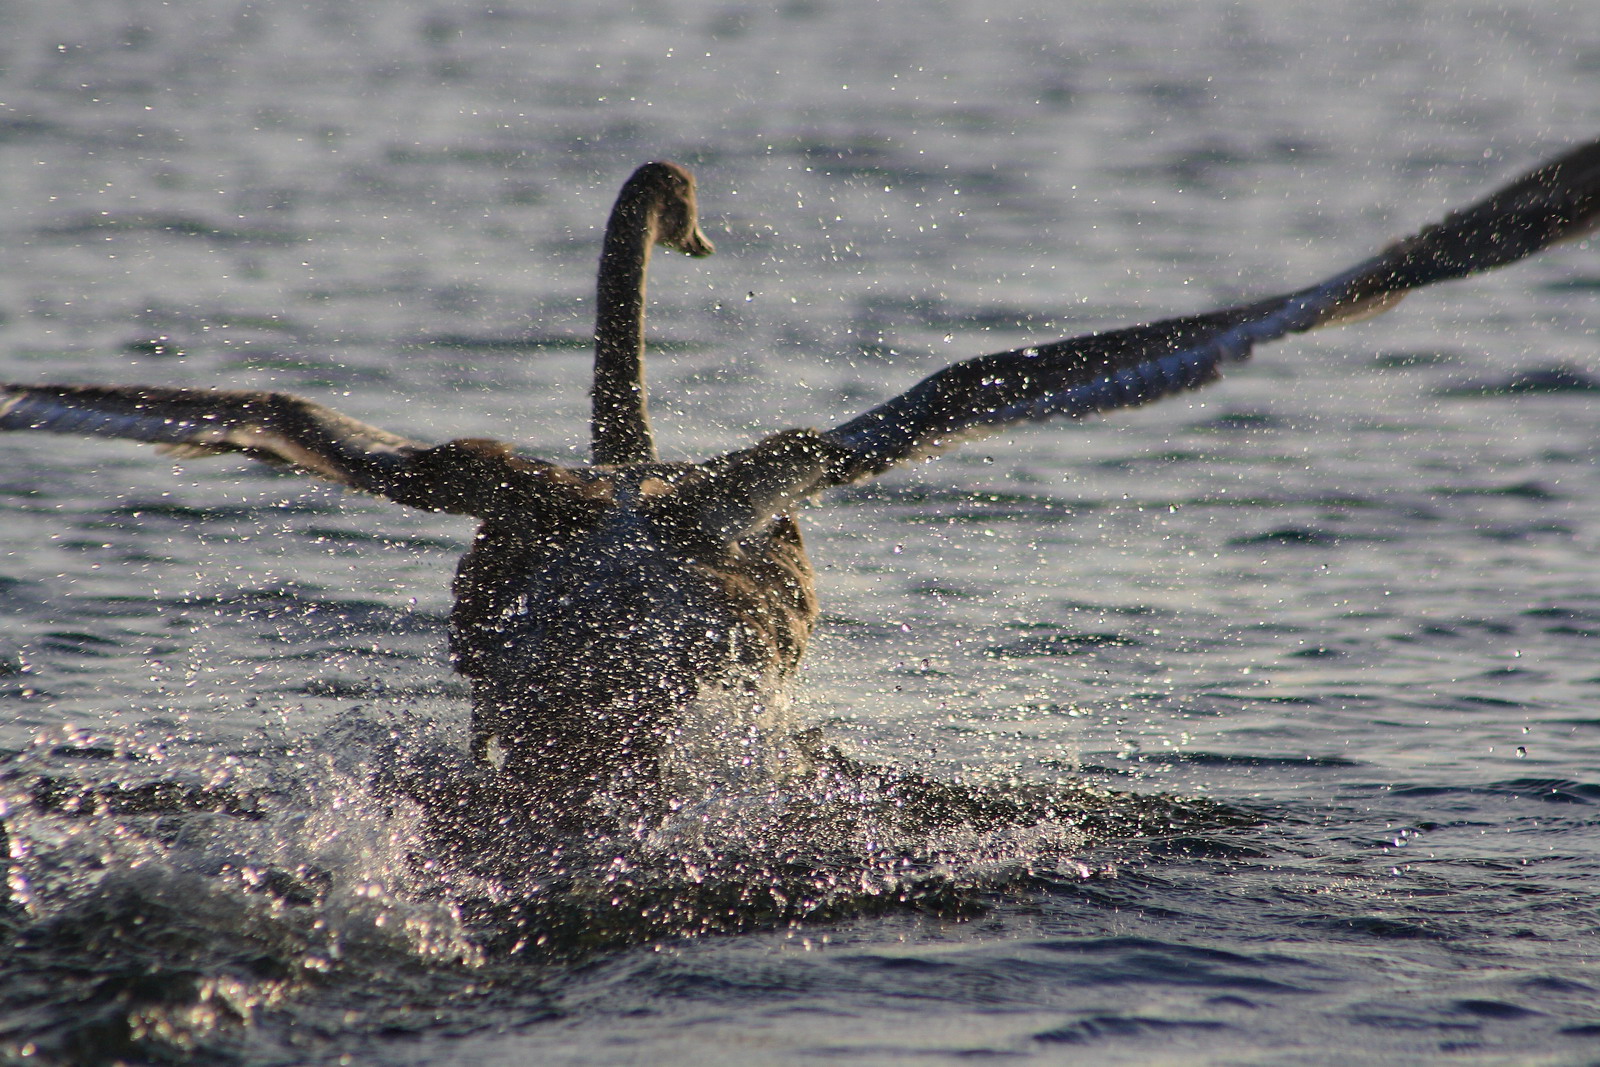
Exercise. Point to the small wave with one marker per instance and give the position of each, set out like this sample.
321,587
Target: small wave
1100,1027
1226,759
1060,644
514,345
1289,537
1241,421
921,497
1554,379
78,643
1379,926
187,513
1403,360
171,225
1550,790
307,603
1529,490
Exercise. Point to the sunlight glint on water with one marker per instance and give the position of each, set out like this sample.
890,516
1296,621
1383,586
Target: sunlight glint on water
1348,597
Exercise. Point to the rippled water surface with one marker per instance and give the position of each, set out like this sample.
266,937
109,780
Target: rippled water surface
1257,726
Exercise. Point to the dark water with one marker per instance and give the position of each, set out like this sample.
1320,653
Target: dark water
1255,727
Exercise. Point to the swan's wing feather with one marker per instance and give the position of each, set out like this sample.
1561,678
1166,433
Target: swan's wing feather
469,477
1560,201
738,493
274,427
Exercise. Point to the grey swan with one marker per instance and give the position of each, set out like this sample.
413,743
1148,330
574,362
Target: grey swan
597,603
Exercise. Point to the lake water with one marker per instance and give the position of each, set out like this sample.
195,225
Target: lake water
1258,726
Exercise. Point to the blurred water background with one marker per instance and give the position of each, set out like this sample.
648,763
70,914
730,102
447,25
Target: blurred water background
1332,622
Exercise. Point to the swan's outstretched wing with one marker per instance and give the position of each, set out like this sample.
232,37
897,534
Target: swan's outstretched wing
274,427
466,477
1559,201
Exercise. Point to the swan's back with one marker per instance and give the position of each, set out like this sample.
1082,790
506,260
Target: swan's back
585,644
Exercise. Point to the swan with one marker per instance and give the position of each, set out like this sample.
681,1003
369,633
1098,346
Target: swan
596,603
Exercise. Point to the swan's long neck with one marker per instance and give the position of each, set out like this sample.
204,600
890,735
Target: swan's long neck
620,429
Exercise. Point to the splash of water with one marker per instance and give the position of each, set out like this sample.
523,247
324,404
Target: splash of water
160,904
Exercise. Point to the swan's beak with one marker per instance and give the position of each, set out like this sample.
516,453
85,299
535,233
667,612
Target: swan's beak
695,243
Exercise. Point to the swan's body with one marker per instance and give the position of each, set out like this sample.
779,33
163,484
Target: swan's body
597,602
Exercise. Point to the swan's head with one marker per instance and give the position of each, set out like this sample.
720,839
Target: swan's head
667,192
